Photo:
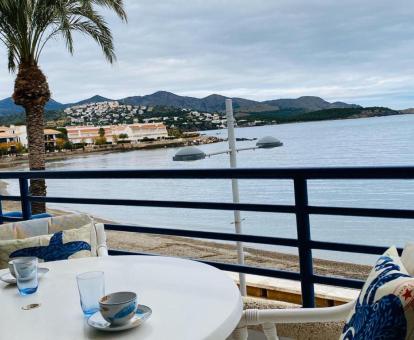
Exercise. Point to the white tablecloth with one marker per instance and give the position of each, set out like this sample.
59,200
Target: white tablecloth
190,300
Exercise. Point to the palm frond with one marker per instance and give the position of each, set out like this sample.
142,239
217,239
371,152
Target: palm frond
116,5
11,56
26,26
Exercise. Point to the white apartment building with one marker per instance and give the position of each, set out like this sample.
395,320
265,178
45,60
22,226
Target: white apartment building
18,134
136,132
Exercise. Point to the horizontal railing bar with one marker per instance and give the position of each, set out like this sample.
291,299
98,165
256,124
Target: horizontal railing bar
353,248
338,281
11,198
273,208
282,274
116,252
363,212
321,245
169,204
205,235
397,172
350,248
343,247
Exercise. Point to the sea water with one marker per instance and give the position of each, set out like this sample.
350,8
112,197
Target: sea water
382,141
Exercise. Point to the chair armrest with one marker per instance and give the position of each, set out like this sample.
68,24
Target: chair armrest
101,247
296,315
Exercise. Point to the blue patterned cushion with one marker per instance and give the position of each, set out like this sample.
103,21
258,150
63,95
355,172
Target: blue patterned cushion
56,250
385,306
62,245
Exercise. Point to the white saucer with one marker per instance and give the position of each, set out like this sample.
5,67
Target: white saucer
9,278
98,322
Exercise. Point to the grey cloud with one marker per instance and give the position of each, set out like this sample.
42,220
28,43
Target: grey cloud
359,51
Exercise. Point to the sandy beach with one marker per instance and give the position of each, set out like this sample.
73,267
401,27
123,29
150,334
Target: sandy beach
211,251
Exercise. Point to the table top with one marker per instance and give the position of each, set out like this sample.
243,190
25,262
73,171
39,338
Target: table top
189,300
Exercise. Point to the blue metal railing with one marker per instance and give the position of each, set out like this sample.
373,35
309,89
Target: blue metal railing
301,209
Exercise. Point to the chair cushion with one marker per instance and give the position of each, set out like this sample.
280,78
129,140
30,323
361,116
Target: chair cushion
69,221
385,306
24,229
74,221
62,245
407,258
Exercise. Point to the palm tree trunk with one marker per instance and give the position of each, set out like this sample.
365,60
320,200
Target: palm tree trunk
31,91
36,141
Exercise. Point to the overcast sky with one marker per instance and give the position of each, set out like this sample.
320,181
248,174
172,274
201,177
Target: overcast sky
351,50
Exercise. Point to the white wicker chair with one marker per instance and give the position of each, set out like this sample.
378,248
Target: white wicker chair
269,318
101,246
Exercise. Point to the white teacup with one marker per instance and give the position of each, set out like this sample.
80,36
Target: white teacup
19,260
118,308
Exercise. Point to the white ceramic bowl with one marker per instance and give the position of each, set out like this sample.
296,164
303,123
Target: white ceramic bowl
118,308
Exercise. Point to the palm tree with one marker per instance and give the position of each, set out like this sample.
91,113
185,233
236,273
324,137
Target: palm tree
26,26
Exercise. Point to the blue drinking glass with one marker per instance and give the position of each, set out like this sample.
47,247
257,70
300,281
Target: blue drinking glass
91,287
25,269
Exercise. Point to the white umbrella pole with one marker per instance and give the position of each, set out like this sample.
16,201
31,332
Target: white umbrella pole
235,190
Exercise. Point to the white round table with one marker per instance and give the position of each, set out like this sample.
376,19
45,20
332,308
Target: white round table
189,300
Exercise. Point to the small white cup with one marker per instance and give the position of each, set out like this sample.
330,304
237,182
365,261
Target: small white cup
118,308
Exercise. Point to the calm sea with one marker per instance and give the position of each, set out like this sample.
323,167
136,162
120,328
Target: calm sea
361,142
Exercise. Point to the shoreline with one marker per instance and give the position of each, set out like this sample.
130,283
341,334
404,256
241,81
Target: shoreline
19,160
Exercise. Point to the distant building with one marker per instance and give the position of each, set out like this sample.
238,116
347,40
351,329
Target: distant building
136,132
8,138
50,138
18,134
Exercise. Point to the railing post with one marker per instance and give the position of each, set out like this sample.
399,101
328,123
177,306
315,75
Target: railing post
24,199
1,211
304,238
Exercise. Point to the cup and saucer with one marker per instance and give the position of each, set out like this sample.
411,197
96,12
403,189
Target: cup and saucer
10,276
119,311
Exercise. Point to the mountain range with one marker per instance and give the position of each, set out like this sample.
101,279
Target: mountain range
211,103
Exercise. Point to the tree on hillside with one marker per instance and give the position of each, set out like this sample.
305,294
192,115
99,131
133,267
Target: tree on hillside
101,132
26,26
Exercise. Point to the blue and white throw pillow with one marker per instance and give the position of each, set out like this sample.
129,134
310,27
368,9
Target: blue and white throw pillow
62,245
385,306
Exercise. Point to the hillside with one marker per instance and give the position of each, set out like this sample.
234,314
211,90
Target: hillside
7,106
211,103
308,103
19,118
216,103
94,99
297,115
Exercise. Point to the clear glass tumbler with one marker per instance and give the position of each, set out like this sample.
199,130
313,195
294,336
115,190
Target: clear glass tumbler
91,287
26,274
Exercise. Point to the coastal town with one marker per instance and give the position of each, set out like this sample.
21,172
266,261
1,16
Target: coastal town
80,139
87,135
111,123
114,112
107,112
